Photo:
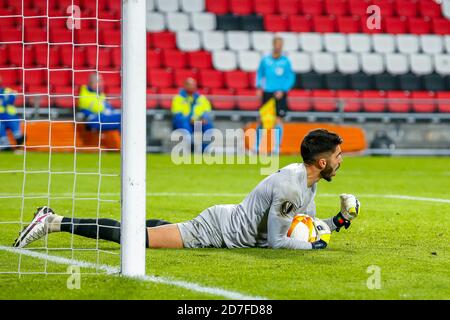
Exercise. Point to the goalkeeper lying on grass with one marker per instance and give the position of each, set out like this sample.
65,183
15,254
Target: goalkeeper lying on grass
262,219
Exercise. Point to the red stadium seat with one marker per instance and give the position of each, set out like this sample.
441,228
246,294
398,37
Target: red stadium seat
81,78
398,101
8,22
159,78
423,101
242,7
324,24
375,101
62,35
60,78
444,104
86,36
174,59
41,56
358,7
222,99
111,79
163,40
386,7
275,23
110,37
199,59
180,76
116,58
113,96
419,25
35,78
218,7
299,23
3,56
115,5
430,8
152,101
211,79
406,8
19,54
236,79
366,29
11,77
63,97
349,24
153,58
324,100
34,23
35,35
440,26
336,7
395,25
98,58
288,6
350,100
10,34
247,99
299,100
264,7
37,95
166,101
75,55
312,7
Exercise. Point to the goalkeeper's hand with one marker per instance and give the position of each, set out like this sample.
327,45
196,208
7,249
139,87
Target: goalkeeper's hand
350,208
319,244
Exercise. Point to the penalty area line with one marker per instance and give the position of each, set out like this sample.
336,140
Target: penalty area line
114,271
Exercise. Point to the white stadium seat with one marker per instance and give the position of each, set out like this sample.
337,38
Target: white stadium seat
213,40
323,62
203,21
249,60
310,42
420,64
300,61
447,43
167,5
383,43
397,63
335,42
177,21
238,40
224,60
372,63
407,43
442,64
359,42
188,41
262,41
431,44
155,22
150,5
193,5
290,41
348,63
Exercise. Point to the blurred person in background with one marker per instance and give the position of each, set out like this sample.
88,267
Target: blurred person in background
188,107
274,79
9,120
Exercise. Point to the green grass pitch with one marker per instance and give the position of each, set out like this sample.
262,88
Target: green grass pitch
406,238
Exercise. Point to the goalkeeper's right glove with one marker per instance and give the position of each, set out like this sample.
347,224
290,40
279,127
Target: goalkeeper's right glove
320,244
350,207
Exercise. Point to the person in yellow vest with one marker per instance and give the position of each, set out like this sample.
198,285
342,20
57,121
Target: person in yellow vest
9,120
188,107
98,112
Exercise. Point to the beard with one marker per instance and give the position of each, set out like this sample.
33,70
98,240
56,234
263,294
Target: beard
327,173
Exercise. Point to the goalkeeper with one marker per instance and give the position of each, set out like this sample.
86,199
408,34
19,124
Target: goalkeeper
262,219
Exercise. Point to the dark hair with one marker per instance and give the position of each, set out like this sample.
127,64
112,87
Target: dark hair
316,142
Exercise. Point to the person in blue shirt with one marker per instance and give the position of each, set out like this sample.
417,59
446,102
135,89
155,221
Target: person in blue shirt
274,79
9,120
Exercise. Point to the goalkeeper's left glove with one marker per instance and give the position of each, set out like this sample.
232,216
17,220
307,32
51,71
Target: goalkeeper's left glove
350,208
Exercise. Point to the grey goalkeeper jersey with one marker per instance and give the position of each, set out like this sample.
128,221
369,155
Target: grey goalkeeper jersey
263,218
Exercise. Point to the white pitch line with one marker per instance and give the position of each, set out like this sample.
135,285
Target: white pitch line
111,270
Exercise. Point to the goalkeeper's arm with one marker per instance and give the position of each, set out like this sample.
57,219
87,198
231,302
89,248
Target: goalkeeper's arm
350,208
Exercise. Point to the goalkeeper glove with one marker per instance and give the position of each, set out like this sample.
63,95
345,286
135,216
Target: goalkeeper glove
320,244
350,207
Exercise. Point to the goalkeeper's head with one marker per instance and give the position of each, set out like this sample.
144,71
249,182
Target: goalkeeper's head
321,149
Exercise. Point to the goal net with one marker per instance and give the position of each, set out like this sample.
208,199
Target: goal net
61,70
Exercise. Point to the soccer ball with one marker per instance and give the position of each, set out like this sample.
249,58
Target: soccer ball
306,228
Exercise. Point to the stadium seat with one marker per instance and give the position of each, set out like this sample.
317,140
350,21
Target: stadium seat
177,21
336,7
275,23
262,41
395,25
323,62
154,58
211,79
75,55
373,101
188,41
218,7
324,24
297,23
110,37
383,43
159,78
310,42
405,8
86,36
98,58
359,43
407,43
111,79
386,7
347,63
312,7
420,64
248,100
34,78
336,81
423,101
335,42
300,61
299,100
442,64
16,55
440,26
180,76
166,96
443,101
116,58
310,81
228,22
241,7
224,60
192,6
346,24
203,21
249,60
41,55
237,40
431,44
252,23
213,40
155,22
434,82
430,8
290,41
199,59
35,35
3,56
167,5
289,7
358,7
163,40
396,63
410,82
60,36
174,59
236,79
372,63
324,100
419,25
152,101
385,81
264,7
361,81
350,100
60,78
222,99
10,77
13,34
398,101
